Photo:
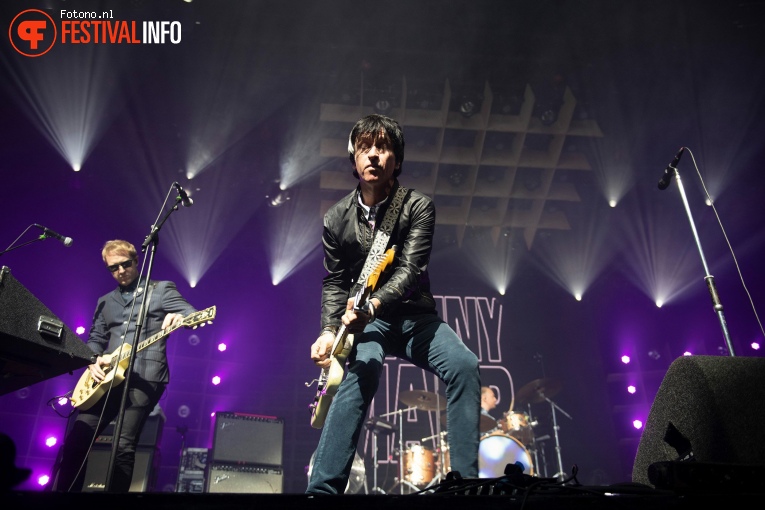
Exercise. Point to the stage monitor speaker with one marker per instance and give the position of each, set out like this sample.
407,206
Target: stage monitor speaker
247,438
245,478
34,344
709,409
144,471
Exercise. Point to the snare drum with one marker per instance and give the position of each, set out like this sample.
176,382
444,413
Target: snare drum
517,426
495,451
419,465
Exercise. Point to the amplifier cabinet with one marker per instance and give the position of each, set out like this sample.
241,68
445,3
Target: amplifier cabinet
245,478
147,461
247,438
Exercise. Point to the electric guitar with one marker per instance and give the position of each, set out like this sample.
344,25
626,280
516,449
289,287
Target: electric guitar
331,377
89,391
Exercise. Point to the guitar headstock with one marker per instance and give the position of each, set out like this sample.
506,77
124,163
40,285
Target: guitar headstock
199,318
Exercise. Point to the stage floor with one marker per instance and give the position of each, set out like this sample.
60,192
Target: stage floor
550,498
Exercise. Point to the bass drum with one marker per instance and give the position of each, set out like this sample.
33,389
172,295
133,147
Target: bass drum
357,478
497,450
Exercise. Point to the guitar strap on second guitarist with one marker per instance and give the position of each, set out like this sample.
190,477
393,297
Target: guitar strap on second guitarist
380,243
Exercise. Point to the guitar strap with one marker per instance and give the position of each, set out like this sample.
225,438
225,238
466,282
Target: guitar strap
380,243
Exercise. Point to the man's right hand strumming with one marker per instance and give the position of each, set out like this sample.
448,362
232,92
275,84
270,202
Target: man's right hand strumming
321,348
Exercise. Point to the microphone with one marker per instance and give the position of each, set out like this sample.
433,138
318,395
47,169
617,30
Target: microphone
669,172
185,199
49,233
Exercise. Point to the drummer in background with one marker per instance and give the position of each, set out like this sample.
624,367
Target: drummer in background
488,401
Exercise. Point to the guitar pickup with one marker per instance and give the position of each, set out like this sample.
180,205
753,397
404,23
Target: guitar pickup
50,326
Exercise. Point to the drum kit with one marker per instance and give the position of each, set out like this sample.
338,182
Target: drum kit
509,440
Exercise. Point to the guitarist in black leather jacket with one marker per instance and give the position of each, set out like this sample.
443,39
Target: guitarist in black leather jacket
401,319
112,323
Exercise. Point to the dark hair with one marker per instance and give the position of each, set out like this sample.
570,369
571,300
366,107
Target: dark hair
376,126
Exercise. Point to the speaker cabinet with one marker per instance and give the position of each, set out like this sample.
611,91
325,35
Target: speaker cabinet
144,472
707,407
245,478
247,438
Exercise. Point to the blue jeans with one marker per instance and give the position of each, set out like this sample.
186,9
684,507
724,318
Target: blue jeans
427,342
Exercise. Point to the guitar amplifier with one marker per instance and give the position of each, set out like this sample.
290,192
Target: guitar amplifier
151,435
145,469
247,438
245,478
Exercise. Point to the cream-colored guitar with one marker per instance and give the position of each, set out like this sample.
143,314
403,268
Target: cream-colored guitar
89,391
331,377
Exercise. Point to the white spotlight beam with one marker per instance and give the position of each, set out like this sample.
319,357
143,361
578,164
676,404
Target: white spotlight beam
70,97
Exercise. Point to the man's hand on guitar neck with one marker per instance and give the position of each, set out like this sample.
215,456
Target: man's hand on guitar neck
172,319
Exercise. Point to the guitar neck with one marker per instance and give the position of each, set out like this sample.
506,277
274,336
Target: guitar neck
340,337
152,339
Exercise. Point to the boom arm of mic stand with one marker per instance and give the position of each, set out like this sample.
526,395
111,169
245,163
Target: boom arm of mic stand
718,307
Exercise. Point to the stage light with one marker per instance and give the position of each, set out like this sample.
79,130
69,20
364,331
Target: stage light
457,177
467,108
654,354
625,359
547,115
221,347
216,380
51,441
638,424
631,389
383,106
755,346
279,199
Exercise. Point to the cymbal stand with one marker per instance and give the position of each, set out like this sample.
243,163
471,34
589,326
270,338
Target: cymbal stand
560,475
376,427
534,441
401,482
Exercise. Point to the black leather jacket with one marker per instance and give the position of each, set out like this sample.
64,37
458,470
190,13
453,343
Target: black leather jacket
404,288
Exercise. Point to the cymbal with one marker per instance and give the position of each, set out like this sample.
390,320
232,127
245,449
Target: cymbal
487,423
537,390
423,400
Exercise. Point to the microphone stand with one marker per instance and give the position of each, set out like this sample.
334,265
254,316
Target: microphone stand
153,240
709,279
41,237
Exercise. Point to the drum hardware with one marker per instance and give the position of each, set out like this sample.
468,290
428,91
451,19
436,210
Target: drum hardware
540,390
443,456
560,475
376,427
401,481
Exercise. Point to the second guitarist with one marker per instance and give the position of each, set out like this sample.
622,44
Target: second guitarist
402,320
112,322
